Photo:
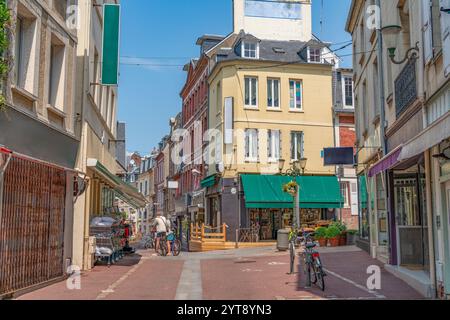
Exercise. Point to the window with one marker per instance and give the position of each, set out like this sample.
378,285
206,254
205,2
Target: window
146,188
251,145
296,145
18,67
251,92
348,91
57,74
273,93
250,50
345,194
273,145
315,55
296,95
26,57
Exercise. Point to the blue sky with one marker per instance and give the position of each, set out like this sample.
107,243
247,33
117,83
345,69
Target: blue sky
161,35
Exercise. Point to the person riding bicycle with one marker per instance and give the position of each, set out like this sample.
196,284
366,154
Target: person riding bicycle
162,227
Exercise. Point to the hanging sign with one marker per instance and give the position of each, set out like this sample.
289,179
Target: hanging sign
110,51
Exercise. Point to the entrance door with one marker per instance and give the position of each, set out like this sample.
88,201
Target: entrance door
411,222
446,220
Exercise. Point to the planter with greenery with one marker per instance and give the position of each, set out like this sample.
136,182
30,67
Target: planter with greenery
291,188
321,236
333,234
343,232
351,237
4,60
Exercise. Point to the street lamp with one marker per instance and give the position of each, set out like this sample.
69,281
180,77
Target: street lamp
390,34
294,172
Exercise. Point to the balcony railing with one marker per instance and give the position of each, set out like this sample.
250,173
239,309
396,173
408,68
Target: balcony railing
405,88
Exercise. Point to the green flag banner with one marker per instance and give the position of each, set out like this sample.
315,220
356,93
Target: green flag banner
110,52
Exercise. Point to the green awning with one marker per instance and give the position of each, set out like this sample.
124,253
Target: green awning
208,181
363,192
316,192
123,190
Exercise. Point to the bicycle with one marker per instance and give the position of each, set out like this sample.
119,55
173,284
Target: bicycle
175,245
162,248
312,263
148,242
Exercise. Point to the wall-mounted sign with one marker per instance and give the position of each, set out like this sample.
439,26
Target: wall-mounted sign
228,121
111,38
338,156
172,184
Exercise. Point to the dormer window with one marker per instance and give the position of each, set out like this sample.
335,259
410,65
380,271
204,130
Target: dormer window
250,50
314,55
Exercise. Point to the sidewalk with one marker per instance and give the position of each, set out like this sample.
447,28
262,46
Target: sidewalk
242,274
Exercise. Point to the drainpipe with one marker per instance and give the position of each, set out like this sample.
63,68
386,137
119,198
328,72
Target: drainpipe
430,224
382,129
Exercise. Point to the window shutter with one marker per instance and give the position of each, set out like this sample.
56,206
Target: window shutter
427,31
445,31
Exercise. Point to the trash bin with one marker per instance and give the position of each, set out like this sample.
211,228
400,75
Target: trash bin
283,240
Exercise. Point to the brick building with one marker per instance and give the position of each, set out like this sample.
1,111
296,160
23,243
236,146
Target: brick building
345,136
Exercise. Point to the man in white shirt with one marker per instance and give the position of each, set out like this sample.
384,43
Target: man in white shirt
162,228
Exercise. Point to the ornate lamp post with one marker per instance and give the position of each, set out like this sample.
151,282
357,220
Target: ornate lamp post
390,37
297,170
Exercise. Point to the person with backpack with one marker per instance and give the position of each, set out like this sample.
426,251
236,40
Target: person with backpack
162,228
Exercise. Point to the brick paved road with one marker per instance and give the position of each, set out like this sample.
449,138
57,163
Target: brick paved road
244,274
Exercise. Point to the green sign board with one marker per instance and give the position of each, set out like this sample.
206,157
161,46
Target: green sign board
110,52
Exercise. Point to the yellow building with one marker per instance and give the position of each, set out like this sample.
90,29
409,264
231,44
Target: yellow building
269,100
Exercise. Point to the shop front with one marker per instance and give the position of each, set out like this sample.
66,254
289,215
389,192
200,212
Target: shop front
212,200
269,209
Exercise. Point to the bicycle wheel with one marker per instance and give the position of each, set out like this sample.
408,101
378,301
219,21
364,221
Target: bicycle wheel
176,247
320,281
292,257
319,275
162,250
308,275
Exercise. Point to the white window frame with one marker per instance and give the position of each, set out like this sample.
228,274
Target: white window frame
345,193
250,140
320,55
271,143
271,89
344,100
250,105
294,144
295,95
244,50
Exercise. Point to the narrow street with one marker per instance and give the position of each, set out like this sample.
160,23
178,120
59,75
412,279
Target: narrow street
242,274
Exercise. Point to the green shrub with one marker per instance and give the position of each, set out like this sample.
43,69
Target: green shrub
320,233
352,232
333,232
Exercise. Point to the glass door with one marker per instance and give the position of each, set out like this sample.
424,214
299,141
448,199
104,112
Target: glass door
410,209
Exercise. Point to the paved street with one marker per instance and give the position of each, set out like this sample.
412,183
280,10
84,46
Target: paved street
243,274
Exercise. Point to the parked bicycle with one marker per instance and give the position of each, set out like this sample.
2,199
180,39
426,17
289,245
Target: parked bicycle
148,242
312,262
175,244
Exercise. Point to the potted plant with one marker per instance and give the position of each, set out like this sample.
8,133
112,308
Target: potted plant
321,236
291,188
351,237
343,232
333,234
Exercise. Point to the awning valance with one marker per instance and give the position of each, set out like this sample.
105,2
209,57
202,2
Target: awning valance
386,163
428,138
122,189
265,192
209,181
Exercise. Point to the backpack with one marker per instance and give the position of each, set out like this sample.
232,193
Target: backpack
166,223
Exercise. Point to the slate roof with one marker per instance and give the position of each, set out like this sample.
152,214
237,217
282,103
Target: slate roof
269,50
